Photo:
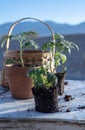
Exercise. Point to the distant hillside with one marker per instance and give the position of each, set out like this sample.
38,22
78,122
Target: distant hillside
76,61
42,30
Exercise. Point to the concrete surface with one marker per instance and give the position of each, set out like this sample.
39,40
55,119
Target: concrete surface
21,115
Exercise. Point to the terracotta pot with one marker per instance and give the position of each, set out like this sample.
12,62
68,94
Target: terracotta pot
46,100
20,85
61,79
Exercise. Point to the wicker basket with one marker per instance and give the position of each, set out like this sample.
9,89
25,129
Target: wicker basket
3,77
30,57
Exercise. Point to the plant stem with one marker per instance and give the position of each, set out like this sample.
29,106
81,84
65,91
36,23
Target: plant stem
21,53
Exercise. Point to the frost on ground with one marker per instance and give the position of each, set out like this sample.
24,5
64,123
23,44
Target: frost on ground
71,104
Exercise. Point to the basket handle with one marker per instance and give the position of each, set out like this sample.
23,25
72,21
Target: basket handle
16,22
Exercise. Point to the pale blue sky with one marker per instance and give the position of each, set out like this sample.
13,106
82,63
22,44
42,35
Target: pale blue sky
60,11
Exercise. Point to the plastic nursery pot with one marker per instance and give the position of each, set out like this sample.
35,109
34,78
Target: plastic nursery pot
46,100
61,79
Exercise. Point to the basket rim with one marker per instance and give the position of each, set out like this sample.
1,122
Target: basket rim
28,51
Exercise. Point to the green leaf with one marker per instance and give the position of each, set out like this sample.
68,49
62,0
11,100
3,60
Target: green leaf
42,77
48,45
30,44
60,58
63,58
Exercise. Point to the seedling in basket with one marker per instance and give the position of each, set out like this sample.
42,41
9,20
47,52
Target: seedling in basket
24,41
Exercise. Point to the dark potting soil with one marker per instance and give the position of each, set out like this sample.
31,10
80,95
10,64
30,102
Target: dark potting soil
68,97
61,78
66,83
46,100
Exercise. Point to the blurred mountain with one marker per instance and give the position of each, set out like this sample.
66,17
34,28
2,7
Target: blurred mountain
42,29
76,61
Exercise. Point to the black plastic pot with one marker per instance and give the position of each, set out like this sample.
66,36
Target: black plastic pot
61,79
46,100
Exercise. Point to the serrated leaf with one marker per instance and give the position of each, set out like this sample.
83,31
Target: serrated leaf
29,44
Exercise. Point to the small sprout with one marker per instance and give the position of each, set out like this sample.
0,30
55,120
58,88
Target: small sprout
42,77
24,41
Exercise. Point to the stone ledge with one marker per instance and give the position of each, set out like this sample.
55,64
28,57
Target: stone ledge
30,124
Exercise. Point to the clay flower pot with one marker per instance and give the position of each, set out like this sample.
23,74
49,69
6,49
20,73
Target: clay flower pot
20,85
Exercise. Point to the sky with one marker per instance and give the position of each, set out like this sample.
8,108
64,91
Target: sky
60,11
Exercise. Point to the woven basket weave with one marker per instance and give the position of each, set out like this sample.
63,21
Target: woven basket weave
30,57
